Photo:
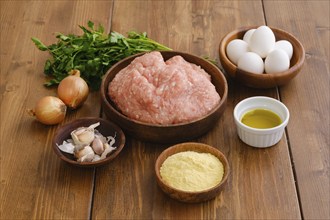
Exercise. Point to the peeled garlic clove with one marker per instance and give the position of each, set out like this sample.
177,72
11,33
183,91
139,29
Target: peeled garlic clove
83,152
97,145
87,158
84,136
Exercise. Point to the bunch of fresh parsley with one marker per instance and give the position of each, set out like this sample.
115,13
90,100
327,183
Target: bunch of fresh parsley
92,53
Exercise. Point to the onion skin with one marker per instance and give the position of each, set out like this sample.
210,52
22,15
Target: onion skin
49,110
73,90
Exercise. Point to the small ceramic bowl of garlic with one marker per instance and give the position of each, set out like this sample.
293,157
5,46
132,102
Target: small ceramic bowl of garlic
261,56
88,142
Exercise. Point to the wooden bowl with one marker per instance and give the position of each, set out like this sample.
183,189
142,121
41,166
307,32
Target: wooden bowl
186,196
166,133
106,128
262,81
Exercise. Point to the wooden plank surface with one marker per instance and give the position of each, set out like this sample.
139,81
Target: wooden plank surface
261,184
307,98
34,183
287,181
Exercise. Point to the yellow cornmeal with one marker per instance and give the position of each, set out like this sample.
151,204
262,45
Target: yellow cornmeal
192,171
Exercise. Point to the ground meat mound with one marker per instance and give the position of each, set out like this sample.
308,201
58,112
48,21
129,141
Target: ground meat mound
151,90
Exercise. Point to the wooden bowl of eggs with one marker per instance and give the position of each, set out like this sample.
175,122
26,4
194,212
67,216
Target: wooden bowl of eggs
162,132
261,56
88,142
192,172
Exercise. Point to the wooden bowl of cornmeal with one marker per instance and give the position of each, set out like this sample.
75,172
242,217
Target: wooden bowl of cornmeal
192,172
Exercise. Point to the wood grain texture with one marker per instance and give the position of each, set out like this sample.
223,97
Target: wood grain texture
34,183
287,181
261,184
307,98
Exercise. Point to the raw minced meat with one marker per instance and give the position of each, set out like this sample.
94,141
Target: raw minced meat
151,90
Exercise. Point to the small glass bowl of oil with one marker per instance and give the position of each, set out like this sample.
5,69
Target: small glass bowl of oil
261,121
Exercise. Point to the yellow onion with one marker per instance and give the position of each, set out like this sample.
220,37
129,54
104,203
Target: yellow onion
73,90
49,110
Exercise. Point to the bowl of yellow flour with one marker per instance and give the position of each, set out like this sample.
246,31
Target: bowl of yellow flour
192,172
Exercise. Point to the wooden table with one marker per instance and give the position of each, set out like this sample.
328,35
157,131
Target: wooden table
287,181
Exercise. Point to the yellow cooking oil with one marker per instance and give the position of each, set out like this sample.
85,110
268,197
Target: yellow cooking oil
261,118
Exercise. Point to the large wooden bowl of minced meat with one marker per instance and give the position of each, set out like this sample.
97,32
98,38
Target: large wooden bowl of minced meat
164,96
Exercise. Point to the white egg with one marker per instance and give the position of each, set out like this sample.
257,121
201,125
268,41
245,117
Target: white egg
248,35
262,41
251,62
277,61
286,46
235,49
